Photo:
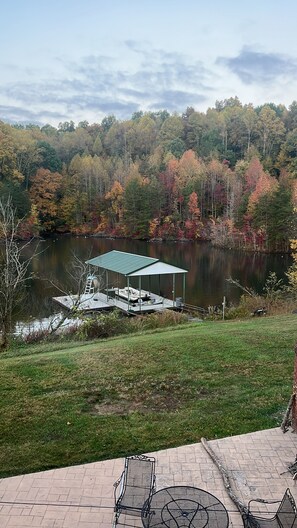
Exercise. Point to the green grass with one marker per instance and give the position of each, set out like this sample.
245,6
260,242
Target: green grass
68,403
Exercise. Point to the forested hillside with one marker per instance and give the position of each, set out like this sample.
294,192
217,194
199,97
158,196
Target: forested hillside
228,175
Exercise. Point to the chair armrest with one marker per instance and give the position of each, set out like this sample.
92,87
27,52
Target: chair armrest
263,501
116,484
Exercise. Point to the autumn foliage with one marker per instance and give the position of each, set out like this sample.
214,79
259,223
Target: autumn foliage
228,176
44,194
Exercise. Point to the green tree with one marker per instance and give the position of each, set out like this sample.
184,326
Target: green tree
172,129
271,130
146,136
288,153
196,127
250,119
97,146
137,207
292,271
71,143
49,130
48,157
19,197
176,147
291,117
279,219
8,162
27,154
66,126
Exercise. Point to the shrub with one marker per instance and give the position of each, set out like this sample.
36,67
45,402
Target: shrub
114,323
103,326
248,305
159,320
36,336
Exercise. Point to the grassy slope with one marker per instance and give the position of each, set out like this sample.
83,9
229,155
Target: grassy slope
64,404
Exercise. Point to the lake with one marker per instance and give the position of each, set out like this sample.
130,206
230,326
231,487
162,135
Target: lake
206,284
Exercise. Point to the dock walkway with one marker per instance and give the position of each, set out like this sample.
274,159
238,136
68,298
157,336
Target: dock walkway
102,301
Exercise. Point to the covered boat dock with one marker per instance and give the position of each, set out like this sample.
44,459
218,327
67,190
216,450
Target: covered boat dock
123,275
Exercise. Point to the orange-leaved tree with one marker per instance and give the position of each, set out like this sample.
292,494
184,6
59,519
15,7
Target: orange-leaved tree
193,224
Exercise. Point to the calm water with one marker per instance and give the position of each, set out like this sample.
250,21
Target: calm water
208,268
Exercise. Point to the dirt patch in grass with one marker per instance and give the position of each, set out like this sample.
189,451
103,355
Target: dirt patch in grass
142,396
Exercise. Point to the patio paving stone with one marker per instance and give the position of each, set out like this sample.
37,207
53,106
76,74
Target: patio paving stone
82,496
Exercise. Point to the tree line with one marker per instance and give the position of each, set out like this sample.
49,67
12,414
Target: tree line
227,175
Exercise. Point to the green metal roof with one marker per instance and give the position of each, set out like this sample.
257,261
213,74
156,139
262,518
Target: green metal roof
121,262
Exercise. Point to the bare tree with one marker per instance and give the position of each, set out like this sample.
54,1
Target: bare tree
14,269
245,289
78,275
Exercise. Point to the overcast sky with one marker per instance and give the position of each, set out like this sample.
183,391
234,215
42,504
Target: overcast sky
77,60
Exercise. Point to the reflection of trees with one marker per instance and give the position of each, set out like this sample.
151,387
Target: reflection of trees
208,268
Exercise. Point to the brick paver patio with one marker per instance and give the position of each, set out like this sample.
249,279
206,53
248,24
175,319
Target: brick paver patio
82,496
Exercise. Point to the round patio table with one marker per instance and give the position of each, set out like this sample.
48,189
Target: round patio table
185,507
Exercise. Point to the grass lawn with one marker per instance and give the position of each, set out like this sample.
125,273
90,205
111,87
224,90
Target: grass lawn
68,403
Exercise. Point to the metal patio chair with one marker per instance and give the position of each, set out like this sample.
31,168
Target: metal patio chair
134,489
285,516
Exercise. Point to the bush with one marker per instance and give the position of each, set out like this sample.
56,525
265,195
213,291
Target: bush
273,305
103,326
247,305
114,323
159,320
36,336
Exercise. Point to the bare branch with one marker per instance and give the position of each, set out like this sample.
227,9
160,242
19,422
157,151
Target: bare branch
248,291
14,270
78,272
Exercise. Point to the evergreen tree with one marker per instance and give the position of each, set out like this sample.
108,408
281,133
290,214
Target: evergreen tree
137,207
279,219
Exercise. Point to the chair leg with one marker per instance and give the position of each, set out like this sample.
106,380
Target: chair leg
115,519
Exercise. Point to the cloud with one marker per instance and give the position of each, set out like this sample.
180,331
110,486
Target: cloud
170,99
14,114
256,67
98,84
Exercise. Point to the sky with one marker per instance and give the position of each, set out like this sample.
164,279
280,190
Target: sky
82,60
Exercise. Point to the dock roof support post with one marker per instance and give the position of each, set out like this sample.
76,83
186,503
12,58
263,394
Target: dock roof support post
128,283
184,287
139,285
173,289
106,285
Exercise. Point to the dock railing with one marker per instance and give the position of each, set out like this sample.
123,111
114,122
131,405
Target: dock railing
192,309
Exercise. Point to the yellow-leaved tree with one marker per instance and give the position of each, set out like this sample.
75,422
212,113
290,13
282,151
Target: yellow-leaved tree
292,272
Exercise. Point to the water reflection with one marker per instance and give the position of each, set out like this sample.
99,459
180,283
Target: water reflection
208,268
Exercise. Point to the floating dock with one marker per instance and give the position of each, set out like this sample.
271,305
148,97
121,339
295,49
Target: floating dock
100,301
129,300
